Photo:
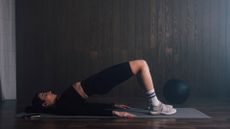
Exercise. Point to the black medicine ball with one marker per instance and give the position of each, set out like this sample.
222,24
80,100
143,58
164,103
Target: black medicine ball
176,91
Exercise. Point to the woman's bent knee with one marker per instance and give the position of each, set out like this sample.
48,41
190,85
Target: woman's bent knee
137,65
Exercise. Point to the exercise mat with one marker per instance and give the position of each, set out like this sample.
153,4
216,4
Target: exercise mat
188,113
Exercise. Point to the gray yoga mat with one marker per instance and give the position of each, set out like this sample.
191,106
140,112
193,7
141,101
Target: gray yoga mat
140,113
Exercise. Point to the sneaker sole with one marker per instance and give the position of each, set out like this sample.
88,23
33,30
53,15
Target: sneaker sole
162,113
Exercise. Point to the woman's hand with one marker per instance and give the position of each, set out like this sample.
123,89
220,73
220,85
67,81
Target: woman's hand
121,106
123,114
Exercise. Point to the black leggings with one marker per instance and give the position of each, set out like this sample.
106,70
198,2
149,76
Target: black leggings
104,81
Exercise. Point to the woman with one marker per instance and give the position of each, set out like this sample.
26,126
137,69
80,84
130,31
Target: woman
73,100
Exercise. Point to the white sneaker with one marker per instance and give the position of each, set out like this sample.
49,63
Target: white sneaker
162,109
150,106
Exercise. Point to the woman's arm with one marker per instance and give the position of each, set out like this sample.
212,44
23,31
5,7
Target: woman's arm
121,106
107,110
98,109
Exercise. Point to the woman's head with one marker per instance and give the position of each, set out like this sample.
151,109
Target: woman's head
44,99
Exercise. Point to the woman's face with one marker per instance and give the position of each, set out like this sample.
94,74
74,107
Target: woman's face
48,97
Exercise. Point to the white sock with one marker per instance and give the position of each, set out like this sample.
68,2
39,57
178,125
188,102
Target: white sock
152,97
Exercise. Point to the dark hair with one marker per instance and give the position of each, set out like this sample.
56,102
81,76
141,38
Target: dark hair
38,107
37,102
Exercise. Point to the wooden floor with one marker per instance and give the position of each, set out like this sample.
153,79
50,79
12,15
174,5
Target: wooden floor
218,110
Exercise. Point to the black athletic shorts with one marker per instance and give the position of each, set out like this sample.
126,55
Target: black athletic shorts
104,81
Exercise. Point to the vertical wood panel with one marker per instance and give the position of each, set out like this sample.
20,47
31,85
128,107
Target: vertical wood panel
227,47
222,50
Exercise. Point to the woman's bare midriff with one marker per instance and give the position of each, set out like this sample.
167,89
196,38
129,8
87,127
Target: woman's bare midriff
77,86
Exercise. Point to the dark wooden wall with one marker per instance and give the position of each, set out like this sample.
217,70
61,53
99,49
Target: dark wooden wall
192,41
60,41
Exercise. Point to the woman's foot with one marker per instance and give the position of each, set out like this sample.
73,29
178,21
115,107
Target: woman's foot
162,109
167,105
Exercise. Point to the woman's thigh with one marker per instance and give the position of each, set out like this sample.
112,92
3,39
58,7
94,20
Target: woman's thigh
103,81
